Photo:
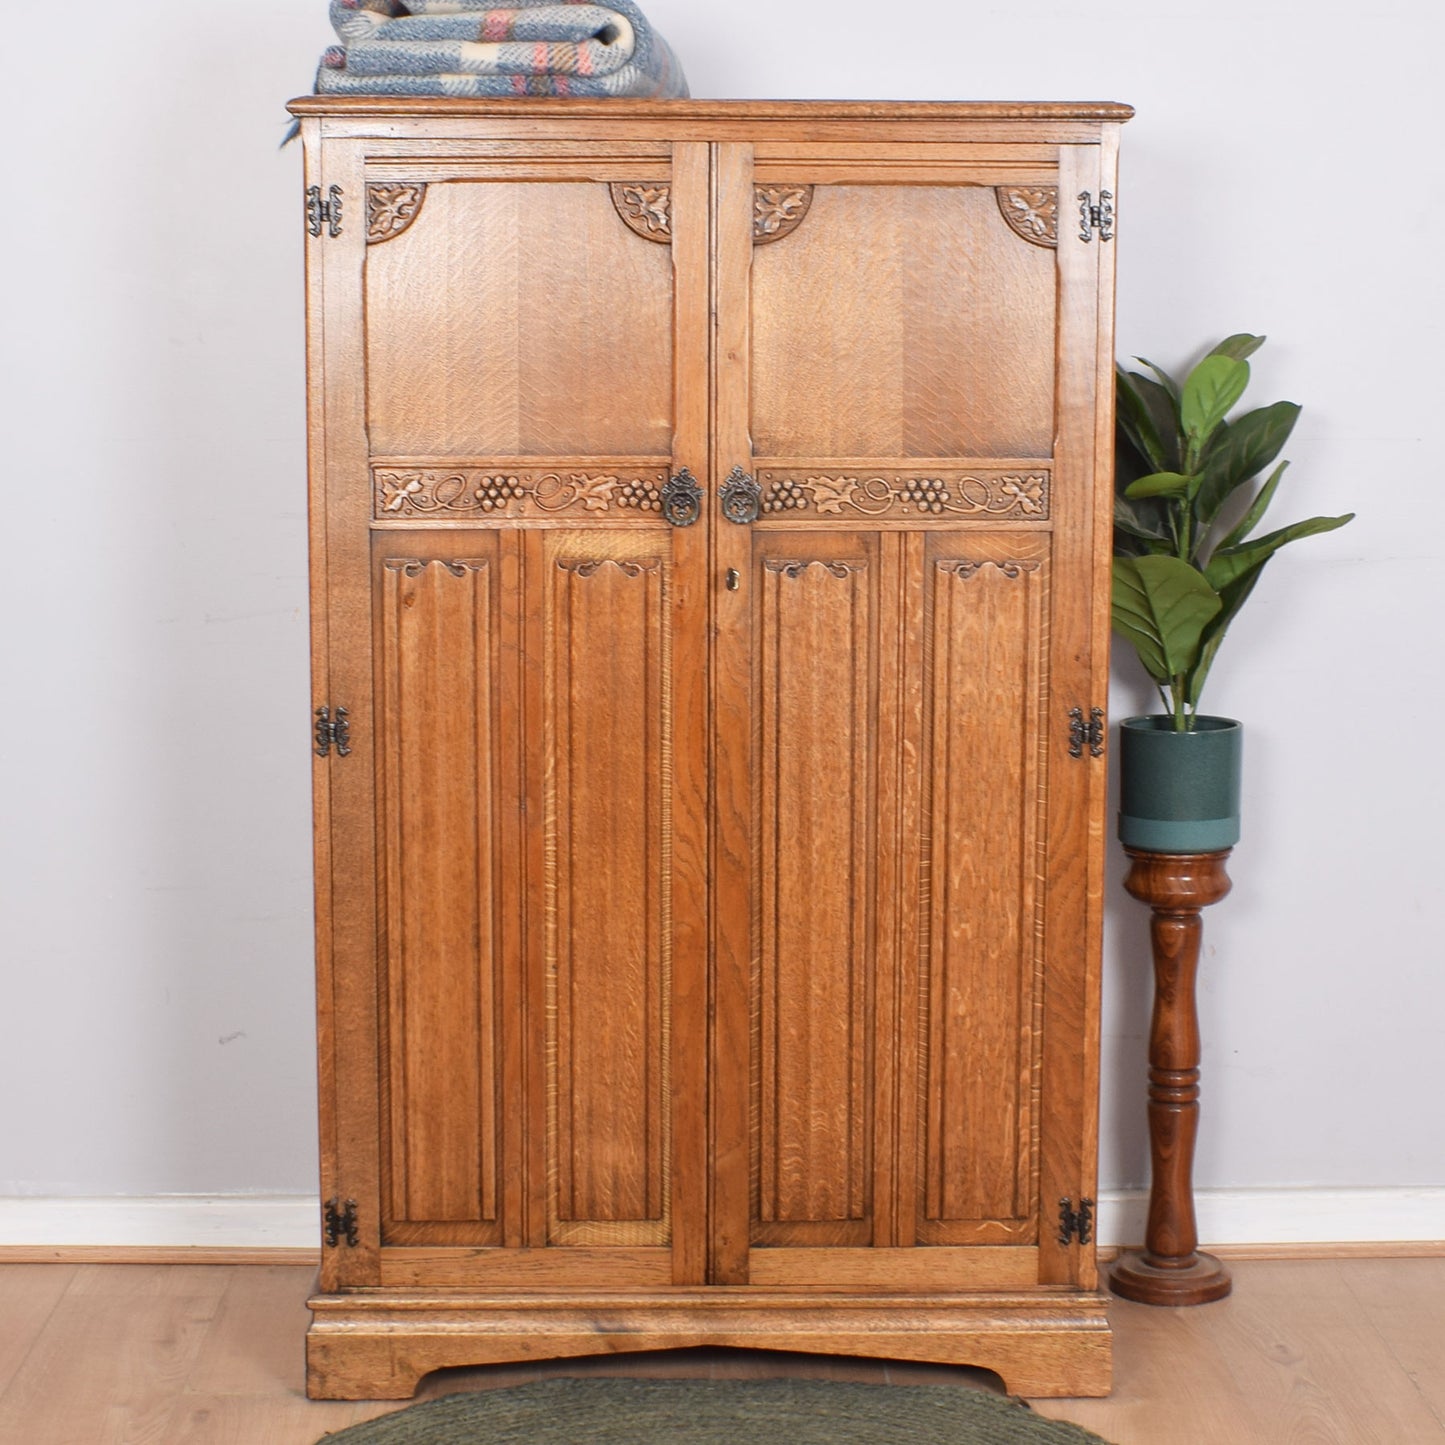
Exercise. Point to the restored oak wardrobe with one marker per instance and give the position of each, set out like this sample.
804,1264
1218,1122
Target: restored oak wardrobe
710,535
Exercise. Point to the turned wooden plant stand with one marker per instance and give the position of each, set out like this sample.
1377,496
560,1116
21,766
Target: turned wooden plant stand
1170,1270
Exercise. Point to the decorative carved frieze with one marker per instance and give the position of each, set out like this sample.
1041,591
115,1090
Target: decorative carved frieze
1007,494
629,567
468,491
1011,567
791,569
415,566
1031,212
646,208
778,211
390,209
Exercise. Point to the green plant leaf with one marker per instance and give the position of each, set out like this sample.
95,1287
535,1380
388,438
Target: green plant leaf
1240,450
1162,605
1163,377
1209,393
1148,419
1132,520
1232,599
1239,347
1159,484
1230,563
1255,515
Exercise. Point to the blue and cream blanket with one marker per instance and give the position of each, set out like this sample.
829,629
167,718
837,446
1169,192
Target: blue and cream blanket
473,48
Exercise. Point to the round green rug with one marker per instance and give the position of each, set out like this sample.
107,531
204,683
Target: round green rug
716,1412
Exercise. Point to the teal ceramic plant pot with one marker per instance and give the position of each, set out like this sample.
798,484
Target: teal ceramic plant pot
1179,791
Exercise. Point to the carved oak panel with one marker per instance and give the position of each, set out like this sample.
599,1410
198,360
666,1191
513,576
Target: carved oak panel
438,752
606,723
813,1008
519,319
902,321
986,646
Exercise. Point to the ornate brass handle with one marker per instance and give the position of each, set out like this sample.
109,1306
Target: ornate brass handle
682,499
741,498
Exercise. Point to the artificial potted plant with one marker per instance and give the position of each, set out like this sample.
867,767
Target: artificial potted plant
1186,558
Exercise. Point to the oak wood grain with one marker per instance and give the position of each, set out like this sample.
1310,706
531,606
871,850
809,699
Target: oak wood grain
440,759
736,887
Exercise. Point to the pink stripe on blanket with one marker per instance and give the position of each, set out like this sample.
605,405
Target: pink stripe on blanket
499,24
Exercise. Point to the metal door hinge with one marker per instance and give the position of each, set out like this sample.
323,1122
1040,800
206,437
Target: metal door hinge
1090,733
340,1221
321,213
1076,1223
1098,218
333,732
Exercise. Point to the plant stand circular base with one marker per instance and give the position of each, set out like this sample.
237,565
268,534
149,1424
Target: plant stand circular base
1197,1283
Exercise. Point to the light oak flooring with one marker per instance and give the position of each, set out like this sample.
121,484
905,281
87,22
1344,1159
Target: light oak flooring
1342,1352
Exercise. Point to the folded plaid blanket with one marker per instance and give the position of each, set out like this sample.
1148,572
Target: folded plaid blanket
473,48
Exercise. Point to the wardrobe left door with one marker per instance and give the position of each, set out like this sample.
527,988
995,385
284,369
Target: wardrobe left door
509,415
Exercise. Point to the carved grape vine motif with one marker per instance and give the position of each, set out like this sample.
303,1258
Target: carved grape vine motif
1024,495
406,493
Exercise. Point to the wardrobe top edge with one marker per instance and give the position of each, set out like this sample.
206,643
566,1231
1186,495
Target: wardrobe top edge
358,107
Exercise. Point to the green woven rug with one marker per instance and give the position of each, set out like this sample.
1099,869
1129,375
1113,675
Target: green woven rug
716,1412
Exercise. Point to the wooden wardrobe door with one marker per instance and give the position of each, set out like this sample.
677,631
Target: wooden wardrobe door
530,712
902,830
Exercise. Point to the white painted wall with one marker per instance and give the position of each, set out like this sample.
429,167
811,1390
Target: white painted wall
1282,176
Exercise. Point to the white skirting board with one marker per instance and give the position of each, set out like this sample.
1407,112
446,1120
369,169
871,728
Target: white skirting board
239,1221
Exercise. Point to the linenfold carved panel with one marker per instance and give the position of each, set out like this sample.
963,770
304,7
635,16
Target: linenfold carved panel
473,491
1031,212
813,983
986,646
437,745
606,850
390,209
995,494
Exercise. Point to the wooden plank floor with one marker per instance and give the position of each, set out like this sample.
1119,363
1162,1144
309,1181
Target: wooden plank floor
1340,1352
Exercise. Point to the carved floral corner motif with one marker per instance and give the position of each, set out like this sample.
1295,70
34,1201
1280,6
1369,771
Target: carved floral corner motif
645,208
471,490
1020,495
390,210
778,211
1031,212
